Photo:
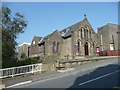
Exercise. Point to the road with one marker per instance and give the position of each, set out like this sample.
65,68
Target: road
100,74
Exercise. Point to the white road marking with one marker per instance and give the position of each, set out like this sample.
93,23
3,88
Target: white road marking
98,78
21,83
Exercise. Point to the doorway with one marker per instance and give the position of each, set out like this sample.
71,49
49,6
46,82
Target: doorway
86,49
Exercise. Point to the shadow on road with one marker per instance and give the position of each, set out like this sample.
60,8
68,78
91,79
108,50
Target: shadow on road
99,78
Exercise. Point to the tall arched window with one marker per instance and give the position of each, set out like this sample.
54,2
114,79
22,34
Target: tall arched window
78,47
58,47
53,46
84,32
87,31
81,33
90,34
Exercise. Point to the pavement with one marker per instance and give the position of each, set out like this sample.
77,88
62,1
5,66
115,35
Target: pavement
21,80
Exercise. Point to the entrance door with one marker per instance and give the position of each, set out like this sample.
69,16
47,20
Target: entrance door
86,49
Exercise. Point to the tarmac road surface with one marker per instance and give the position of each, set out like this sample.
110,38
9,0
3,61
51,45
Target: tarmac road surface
102,74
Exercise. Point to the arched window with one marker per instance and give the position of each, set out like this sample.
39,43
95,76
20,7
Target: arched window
58,47
84,32
53,46
87,33
33,42
81,33
93,44
78,47
90,34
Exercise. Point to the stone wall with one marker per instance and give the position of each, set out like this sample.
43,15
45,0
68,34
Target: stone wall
108,35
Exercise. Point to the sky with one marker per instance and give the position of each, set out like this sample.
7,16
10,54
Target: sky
45,17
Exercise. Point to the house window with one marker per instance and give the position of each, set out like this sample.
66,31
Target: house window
54,47
111,46
58,47
90,34
33,42
78,47
85,32
81,33
93,44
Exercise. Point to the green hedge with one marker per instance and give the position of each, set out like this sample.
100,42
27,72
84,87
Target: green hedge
16,63
28,61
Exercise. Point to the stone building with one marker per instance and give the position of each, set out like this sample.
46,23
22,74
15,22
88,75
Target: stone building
79,40
108,37
51,44
23,50
34,47
76,41
72,42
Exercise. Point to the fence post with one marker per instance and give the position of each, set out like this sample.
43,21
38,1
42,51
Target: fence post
13,72
32,69
40,67
1,73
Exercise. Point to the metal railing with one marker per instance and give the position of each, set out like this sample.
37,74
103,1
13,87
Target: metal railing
14,71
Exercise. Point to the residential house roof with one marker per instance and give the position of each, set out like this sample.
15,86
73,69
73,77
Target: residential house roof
37,38
108,24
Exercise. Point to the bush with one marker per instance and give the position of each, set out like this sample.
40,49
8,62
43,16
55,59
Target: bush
22,62
28,61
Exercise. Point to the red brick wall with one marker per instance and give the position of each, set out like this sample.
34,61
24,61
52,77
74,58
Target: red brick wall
110,53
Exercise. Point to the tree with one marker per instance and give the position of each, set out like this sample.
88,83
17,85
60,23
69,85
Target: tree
0,46
11,28
23,56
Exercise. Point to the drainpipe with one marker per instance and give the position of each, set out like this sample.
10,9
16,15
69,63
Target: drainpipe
113,42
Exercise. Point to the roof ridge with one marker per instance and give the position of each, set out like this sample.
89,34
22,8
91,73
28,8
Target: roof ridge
75,25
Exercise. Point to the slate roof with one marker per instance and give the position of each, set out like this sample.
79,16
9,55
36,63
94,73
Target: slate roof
67,31
75,26
47,36
44,38
37,38
108,24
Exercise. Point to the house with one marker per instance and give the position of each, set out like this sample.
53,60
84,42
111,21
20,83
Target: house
23,50
34,47
108,38
51,44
